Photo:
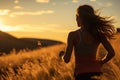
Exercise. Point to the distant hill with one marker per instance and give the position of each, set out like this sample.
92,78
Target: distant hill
9,42
42,42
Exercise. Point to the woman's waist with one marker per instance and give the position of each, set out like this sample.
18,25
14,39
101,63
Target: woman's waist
85,57
83,68
86,61
91,63
85,50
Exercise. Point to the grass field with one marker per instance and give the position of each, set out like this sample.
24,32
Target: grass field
45,64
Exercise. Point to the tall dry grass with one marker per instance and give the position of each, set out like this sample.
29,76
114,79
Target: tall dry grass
45,64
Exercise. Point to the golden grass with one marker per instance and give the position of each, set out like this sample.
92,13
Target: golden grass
45,64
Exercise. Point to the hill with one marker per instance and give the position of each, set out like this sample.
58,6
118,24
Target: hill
43,42
9,42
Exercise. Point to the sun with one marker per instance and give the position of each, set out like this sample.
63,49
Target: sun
2,28
6,28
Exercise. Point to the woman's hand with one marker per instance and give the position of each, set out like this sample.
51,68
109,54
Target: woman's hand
61,54
100,62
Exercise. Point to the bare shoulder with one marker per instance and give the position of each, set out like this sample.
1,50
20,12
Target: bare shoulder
73,37
72,34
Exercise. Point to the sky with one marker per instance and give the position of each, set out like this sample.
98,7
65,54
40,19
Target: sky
49,19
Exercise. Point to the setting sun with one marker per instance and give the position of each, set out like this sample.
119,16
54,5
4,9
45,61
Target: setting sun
6,28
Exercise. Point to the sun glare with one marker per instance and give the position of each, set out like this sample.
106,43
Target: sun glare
6,28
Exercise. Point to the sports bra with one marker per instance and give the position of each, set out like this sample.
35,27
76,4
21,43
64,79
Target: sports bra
85,48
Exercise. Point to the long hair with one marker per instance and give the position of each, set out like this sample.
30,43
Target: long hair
94,23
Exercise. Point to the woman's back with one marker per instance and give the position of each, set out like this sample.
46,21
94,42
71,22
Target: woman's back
84,43
85,47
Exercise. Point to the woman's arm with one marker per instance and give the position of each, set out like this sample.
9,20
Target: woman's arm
69,47
109,49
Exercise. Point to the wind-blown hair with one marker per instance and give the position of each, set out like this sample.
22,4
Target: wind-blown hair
94,23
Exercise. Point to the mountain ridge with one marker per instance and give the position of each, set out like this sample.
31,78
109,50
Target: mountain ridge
9,42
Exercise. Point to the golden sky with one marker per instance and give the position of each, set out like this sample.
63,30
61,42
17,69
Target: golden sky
50,19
